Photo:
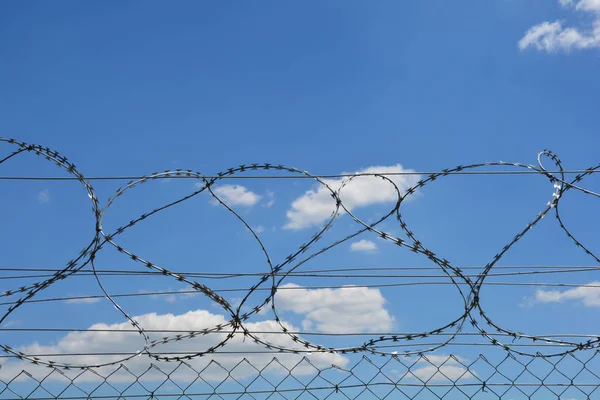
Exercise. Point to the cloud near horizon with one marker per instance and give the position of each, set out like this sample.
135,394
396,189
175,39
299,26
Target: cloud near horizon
323,310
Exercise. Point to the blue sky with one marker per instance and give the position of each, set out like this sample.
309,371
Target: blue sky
129,88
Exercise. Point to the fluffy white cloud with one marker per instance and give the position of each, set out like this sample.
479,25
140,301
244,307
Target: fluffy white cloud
316,205
589,296
347,309
236,195
364,246
553,36
119,340
587,5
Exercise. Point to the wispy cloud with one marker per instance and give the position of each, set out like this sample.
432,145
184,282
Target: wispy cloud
43,196
589,296
271,199
365,246
553,36
10,323
173,295
84,300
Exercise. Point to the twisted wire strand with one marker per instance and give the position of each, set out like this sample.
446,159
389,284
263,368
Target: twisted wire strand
322,176
468,286
245,290
224,276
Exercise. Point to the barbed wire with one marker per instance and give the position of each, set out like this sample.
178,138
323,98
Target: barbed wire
312,176
226,352
297,288
467,285
331,273
308,333
345,269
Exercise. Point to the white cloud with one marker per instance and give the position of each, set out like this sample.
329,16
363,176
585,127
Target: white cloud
587,5
589,296
43,196
347,309
441,368
119,340
236,195
364,246
554,37
259,229
316,205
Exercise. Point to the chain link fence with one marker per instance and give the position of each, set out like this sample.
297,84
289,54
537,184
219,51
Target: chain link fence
572,377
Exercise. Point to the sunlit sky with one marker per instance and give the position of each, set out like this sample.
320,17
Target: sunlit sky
131,88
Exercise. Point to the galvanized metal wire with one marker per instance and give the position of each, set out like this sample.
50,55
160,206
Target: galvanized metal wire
396,377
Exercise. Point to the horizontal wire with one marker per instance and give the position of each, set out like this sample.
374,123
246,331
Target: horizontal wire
298,274
288,351
499,334
319,176
334,389
25,294
184,292
437,268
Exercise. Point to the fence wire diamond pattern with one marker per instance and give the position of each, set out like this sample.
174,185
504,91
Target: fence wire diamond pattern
572,376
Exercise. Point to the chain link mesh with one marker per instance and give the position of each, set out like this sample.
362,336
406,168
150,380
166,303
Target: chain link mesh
571,376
